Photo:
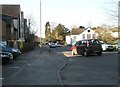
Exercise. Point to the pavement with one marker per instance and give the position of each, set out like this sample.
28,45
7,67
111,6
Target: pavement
42,67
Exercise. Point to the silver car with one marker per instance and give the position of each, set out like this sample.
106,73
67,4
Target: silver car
52,45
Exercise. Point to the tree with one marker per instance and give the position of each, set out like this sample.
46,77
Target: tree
53,38
82,27
31,31
104,34
114,12
60,32
47,31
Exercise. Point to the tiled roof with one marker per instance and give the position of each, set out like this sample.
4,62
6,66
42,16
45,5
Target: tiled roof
11,10
77,31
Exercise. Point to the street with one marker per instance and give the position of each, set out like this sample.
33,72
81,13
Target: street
54,68
92,70
33,68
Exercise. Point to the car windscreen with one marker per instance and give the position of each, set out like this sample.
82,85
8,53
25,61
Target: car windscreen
2,46
95,42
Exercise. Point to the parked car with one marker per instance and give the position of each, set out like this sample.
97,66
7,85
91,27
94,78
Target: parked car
14,51
119,46
6,57
107,47
86,47
58,44
52,45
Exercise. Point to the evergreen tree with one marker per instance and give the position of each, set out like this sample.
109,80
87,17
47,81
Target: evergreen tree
47,32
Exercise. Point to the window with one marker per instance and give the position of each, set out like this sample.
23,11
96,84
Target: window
78,43
83,42
95,42
74,37
83,36
88,30
88,36
93,36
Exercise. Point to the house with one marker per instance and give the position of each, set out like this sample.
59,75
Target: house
115,34
14,26
10,22
8,29
80,34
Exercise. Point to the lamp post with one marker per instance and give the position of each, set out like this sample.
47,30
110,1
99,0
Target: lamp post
40,30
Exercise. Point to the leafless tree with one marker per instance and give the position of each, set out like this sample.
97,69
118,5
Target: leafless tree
32,28
32,25
113,13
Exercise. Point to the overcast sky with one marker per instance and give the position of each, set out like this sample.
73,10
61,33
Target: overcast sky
67,12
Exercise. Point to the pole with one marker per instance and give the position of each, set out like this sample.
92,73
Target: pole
40,30
40,22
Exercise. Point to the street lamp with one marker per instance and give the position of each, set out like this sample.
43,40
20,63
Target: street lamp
40,30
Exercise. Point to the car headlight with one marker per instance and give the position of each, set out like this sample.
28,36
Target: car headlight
14,50
4,55
106,46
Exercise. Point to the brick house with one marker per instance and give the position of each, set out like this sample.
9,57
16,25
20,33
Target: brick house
14,25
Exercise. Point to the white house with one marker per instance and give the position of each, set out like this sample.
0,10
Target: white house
80,34
115,34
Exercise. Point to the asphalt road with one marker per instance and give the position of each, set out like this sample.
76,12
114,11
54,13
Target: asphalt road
92,70
34,68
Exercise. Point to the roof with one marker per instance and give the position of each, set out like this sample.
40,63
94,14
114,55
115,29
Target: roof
77,31
11,10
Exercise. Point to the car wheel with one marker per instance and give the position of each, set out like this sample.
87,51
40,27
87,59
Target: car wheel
73,53
99,53
85,53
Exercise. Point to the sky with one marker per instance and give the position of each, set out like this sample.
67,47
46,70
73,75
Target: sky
67,12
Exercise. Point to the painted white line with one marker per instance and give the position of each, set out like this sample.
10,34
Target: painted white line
110,52
14,67
71,60
21,61
29,64
1,78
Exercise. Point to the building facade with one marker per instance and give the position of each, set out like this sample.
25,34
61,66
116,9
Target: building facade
14,25
80,35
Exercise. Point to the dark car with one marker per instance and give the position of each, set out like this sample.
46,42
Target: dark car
6,57
52,45
58,44
87,47
14,51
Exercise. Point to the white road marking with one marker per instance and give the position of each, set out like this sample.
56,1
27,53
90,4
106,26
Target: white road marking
29,64
71,60
110,52
14,67
21,61
1,78
68,53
